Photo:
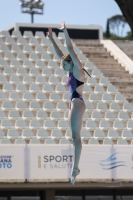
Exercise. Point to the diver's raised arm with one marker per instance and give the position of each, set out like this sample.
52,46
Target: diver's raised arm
57,50
71,51
68,41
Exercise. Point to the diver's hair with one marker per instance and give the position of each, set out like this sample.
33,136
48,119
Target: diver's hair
86,71
68,58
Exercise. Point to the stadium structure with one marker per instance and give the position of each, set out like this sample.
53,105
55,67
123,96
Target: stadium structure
36,150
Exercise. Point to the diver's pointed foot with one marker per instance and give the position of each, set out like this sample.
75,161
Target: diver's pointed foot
73,180
74,174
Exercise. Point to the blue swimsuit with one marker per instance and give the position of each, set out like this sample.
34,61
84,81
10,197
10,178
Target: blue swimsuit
72,84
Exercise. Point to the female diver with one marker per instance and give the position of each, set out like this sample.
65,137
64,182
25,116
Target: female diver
75,83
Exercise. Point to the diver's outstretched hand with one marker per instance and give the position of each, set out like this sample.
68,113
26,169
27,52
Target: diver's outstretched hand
62,26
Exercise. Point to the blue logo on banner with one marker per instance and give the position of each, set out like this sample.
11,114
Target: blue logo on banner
6,162
111,163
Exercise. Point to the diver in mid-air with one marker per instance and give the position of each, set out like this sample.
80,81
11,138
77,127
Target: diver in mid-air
75,83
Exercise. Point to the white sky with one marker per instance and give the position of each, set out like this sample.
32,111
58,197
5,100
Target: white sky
74,12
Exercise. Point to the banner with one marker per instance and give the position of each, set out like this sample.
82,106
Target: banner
96,162
38,163
107,162
50,162
12,163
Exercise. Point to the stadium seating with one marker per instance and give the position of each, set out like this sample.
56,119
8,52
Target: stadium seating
39,35
16,34
113,134
35,100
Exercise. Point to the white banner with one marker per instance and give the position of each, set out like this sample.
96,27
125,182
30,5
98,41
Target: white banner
96,162
107,162
12,163
38,163
50,162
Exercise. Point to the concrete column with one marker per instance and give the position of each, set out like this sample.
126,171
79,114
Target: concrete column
42,194
83,194
9,196
114,194
49,194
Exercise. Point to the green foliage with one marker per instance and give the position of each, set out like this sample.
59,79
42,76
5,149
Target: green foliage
107,29
129,36
115,37
113,27
118,19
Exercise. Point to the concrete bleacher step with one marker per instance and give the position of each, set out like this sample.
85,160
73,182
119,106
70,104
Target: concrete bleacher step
121,80
102,60
109,68
87,43
116,74
120,72
125,88
94,49
108,65
96,54
126,46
